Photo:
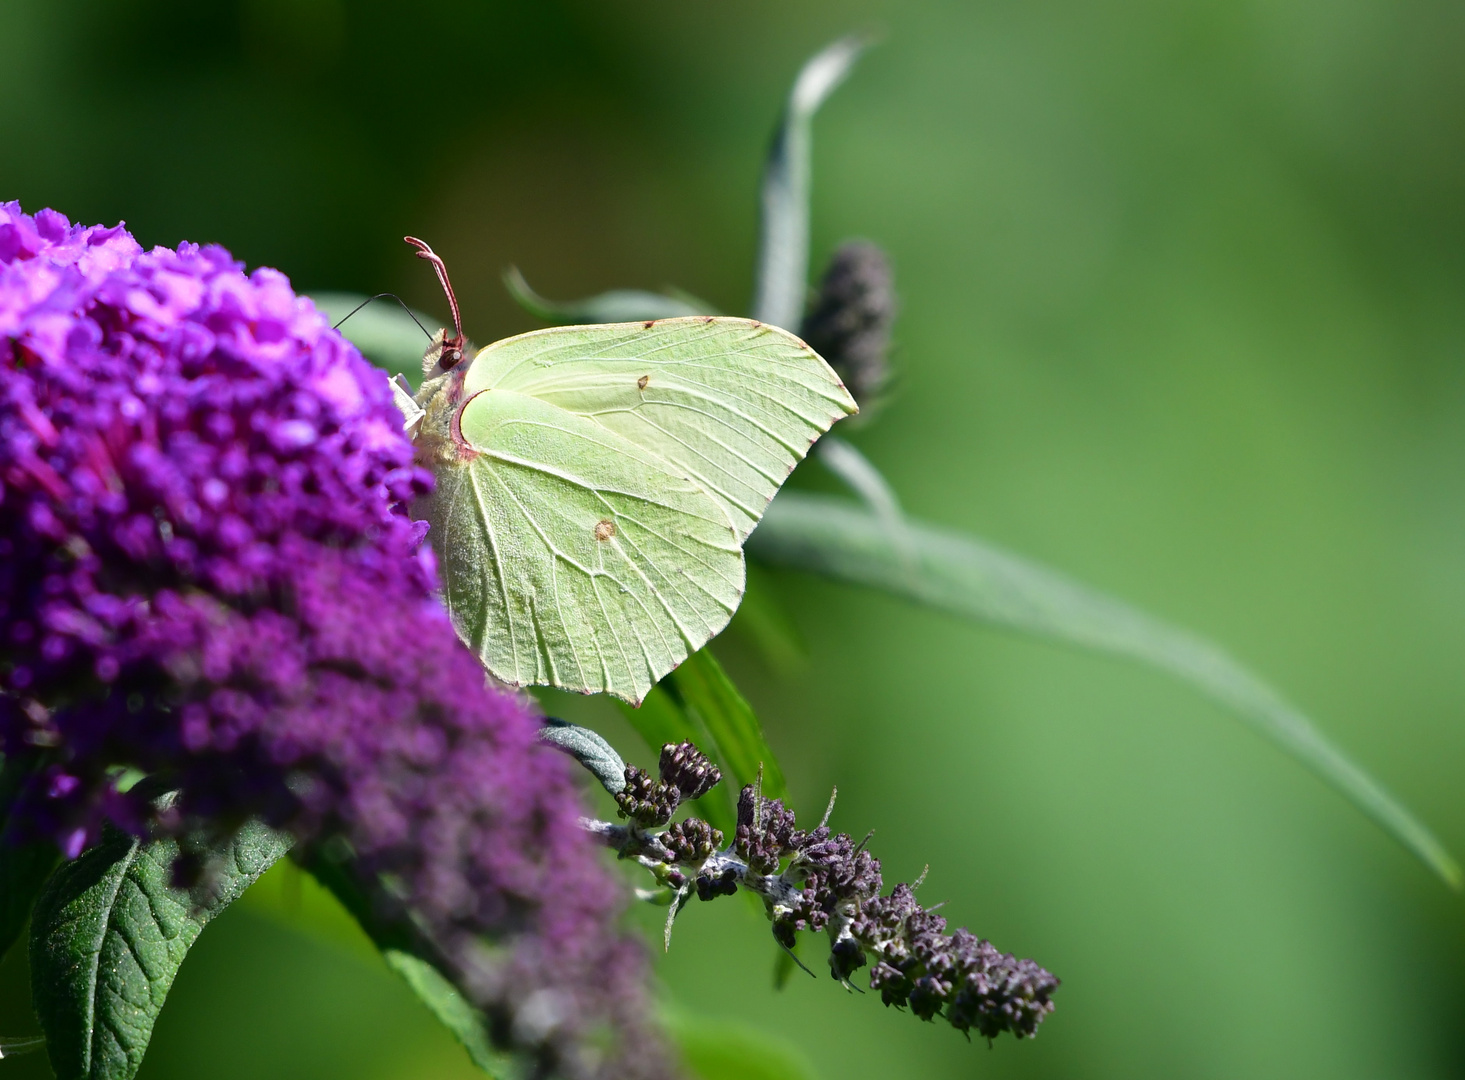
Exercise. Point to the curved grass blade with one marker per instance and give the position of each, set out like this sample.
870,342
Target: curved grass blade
453,1011
762,620
108,936
618,305
967,577
783,233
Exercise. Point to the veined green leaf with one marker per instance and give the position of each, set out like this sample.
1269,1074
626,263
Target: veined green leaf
588,748
968,577
707,692
660,719
383,331
595,485
783,234
24,865
617,305
108,935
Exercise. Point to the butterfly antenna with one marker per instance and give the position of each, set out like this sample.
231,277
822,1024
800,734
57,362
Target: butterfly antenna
425,252
383,296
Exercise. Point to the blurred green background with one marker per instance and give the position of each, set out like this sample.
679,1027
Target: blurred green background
1184,315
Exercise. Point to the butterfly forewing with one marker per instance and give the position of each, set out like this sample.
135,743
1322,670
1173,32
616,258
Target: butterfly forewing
732,403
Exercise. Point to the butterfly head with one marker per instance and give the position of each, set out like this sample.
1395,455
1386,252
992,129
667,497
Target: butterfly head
445,352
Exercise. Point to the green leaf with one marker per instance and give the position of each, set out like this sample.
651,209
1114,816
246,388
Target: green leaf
382,330
764,622
108,936
660,719
783,235
618,305
454,1012
409,956
965,576
726,1050
24,865
707,693
589,749
595,485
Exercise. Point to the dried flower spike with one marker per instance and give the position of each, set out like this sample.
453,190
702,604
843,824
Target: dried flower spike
832,884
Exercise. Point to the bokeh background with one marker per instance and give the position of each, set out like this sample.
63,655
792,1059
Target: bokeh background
1182,315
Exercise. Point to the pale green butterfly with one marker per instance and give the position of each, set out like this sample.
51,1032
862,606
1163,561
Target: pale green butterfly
595,485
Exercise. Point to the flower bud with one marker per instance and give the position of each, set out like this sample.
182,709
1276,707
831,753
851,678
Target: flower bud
850,320
688,770
691,841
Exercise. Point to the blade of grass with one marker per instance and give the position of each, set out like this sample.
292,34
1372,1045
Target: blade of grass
968,577
783,233
708,693
618,305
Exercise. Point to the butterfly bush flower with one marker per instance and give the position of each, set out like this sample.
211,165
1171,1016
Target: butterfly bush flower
824,881
206,574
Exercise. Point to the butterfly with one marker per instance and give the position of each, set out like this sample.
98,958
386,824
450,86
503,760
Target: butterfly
595,485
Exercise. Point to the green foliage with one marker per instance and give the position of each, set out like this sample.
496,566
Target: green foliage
783,241
709,695
967,577
454,1012
590,750
108,935
725,1050
618,305
412,959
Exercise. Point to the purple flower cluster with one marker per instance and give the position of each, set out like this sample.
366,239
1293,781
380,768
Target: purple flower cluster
206,574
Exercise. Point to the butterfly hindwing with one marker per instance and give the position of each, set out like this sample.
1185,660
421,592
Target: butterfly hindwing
574,558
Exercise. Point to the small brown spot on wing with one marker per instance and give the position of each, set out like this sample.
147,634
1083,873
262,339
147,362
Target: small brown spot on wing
642,382
649,324
707,318
604,529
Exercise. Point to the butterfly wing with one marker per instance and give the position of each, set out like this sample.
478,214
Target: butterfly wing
734,403
591,532
574,558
